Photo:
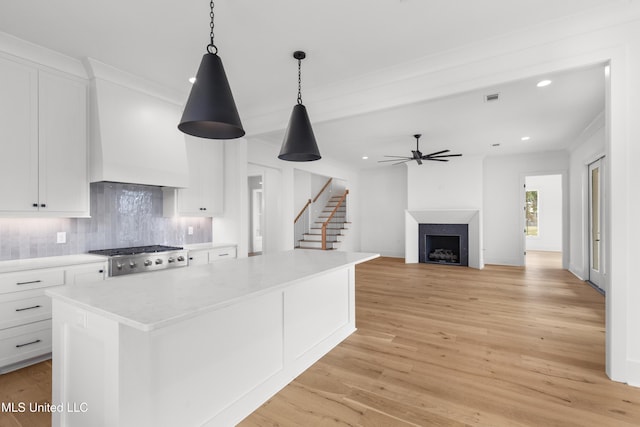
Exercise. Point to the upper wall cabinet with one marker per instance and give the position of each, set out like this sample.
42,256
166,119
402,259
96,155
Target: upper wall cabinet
43,138
205,194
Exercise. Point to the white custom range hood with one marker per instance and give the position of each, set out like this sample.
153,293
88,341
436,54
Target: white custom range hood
134,134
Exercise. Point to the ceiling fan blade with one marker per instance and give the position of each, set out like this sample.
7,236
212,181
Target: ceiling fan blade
436,153
445,155
436,160
401,157
406,159
399,163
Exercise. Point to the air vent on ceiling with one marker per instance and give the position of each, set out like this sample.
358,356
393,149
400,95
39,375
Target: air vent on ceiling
491,97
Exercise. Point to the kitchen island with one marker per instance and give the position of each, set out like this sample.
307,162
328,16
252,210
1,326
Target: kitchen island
202,345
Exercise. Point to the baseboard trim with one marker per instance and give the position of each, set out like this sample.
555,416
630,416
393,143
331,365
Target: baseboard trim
633,373
572,271
594,286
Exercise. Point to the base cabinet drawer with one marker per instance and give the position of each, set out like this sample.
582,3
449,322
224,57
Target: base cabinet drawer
25,342
206,256
24,307
33,279
222,253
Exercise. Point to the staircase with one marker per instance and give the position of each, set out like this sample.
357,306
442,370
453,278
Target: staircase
336,227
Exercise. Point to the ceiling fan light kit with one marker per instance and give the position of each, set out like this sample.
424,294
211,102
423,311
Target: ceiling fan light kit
210,111
299,144
438,156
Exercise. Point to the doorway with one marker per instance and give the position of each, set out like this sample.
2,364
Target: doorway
256,214
543,220
596,221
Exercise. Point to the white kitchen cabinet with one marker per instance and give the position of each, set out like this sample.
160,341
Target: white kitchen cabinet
209,255
25,310
18,137
43,138
86,273
204,197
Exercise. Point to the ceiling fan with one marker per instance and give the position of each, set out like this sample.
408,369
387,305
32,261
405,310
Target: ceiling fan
417,155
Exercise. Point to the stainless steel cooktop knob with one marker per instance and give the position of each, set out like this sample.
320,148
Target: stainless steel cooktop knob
119,266
158,261
180,258
132,264
171,259
147,263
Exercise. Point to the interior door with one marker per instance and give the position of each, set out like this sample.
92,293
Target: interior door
596,222
257,204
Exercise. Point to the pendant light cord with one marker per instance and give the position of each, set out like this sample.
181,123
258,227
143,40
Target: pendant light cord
211,48
299,82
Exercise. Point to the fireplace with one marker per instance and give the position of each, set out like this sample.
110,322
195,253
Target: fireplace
444,244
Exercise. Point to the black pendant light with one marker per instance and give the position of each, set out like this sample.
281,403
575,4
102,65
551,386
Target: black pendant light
299,143
210,111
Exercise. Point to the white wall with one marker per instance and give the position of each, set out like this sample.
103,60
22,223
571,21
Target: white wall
301,189
383,200
504,202
453,185
589,147
549,188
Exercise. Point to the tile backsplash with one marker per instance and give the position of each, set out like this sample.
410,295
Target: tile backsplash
122,215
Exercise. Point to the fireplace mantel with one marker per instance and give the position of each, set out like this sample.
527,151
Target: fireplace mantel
444,216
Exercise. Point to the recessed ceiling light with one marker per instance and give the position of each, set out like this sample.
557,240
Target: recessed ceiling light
525,138
192,80
543,83
365,157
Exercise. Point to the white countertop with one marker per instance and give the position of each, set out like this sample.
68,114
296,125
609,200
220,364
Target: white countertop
48,262
149,301
209,245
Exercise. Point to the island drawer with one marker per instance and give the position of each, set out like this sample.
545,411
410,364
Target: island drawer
25,342
24,307
222,253
32,279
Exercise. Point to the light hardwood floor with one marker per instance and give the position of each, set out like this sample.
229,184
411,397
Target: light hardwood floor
444,346
451,346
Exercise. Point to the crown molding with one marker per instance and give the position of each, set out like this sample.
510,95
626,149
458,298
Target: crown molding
99,70
43,57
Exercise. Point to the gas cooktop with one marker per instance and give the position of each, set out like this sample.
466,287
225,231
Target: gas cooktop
135,250
139,259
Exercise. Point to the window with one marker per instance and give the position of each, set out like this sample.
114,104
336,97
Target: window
531,210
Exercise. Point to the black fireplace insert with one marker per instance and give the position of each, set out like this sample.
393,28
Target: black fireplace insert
444,244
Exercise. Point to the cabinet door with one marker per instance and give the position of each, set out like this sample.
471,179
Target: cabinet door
83,274
18,137
190,198
64,181
204,196
212,176
198,257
